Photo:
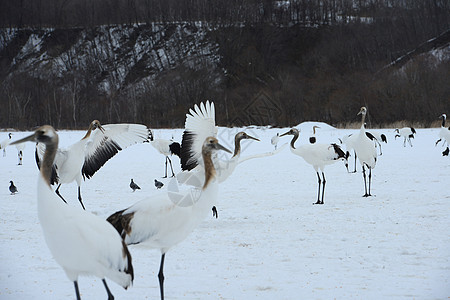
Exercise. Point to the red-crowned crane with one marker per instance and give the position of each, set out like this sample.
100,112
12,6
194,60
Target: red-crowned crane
274,140
444,133
20,149
312,138
201,120
365,150
160,222
348,141
318,156
87,156
378,138
80,242
407,133
5,144
166,148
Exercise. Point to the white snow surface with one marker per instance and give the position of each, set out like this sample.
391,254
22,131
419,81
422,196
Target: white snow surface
269,241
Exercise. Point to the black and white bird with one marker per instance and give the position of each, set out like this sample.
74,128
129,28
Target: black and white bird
365,151
159,222
82,159
165,220
348,141
377,138
226,167
158,184
407,133
166,148
318,156
445,152
274,140
444,133
134,186
20,148
12,188
80,242
201,121
5,144
312,138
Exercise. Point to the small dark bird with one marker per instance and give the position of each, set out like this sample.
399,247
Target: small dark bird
214,211
445,153
12,188
158,184
134,186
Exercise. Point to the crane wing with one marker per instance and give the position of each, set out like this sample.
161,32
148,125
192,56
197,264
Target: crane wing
242,159
104,145
200,124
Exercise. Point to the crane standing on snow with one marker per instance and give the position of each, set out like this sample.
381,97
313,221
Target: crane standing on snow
318,156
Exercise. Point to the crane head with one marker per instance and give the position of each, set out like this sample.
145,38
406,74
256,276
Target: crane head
362,111
243,136
293,131
45,134
212,144
96,124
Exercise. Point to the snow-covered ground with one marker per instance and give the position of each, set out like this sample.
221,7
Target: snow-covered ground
269,241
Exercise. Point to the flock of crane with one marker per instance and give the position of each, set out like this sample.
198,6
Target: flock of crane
85,244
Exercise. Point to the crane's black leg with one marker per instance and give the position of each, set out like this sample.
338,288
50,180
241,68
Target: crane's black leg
79,198
346,161
77,291
161,276
110,295
365,182
165,176
170,161
370,179
318,191
214,212
323,187
355,161
57,193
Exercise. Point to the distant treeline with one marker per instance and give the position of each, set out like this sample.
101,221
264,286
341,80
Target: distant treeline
83,13
281,63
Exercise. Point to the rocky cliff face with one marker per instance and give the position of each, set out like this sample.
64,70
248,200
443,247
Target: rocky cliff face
116,57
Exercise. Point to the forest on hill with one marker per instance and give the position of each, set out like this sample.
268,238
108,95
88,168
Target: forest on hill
262,62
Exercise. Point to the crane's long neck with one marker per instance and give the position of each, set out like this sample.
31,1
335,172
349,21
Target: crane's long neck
363,119
88,133
210,171
293,140
443,120
47,162
237,146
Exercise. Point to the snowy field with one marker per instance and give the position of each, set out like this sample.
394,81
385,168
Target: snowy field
269,241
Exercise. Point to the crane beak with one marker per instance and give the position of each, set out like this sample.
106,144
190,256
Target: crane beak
101,128
286,133
220,147
30,138
253,138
